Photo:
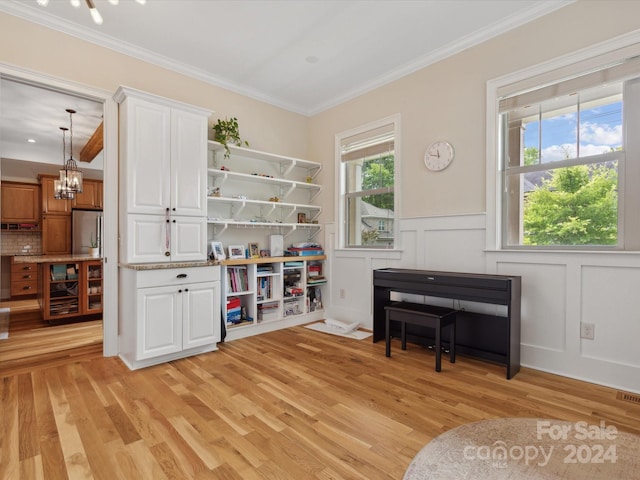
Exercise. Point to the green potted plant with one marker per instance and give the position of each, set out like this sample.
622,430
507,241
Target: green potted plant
93,246
227,132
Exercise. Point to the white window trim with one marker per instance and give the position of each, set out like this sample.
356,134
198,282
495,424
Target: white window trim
615,49
339,187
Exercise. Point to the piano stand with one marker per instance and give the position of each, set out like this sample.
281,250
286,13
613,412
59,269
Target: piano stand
426,316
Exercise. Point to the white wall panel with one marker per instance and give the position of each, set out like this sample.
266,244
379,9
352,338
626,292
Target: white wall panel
543,309
611,301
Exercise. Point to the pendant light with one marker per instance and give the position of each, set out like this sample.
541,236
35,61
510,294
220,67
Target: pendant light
70,181
95,14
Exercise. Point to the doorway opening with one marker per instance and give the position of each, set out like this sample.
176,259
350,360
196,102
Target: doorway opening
31,155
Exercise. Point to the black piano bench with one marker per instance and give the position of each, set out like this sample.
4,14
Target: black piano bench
424,315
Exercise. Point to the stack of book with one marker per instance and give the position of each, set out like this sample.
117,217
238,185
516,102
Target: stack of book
234,310
303,251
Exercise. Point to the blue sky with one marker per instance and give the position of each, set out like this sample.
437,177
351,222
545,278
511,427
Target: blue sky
600,130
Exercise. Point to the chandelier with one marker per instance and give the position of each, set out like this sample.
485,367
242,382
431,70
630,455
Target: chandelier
95,14
70,181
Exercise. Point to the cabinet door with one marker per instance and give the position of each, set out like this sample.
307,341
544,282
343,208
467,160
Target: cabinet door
49,203
147,239
56,234
201,314
188,163
145,144
20,203
159,325
91,293
188,239
89,198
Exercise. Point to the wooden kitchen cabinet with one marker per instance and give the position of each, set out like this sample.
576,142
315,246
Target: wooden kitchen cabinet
71,289
56,234
24,279
93,284
91,196
20,203
50,204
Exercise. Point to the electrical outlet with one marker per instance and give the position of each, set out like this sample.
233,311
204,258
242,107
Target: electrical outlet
587,330
343,294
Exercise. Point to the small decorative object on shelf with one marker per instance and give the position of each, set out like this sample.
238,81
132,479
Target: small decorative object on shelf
254,250
216,250
228,132
236,251
302,218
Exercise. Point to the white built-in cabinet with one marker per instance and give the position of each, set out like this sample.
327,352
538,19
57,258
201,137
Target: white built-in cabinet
177,313
163,179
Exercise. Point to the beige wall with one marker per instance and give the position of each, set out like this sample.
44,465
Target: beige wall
447,101
35,48
443,101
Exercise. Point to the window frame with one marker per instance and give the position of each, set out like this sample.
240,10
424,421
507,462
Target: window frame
341,204
589,59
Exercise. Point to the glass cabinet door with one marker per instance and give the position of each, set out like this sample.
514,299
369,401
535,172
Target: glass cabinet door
94,284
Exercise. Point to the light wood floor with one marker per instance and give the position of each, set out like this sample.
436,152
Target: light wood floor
33,342
291,404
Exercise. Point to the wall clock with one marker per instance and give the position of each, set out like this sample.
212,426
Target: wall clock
438,156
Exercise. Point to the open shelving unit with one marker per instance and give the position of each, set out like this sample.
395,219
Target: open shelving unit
282,190
276,292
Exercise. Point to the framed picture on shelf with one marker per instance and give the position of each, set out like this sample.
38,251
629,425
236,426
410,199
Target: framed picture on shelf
254,250
265,253
302,218
217,250
236,251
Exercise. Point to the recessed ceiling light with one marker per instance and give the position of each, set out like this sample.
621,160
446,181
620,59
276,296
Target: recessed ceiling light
31,140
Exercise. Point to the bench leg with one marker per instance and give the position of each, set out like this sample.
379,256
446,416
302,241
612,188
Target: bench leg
452,344
403,334
438,349
387,335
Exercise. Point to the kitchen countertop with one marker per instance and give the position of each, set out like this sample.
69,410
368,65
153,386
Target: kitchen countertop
53,258
158,266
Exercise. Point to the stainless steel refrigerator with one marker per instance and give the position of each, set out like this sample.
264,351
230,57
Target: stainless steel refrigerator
86,225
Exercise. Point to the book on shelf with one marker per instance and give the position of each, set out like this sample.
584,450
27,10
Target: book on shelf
237,280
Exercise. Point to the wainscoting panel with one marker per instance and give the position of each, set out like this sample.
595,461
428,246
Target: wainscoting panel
611,302
544,305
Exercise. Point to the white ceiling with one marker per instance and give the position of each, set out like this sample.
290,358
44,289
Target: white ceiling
301,55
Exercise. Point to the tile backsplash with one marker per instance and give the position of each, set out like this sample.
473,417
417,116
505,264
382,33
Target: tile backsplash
14,243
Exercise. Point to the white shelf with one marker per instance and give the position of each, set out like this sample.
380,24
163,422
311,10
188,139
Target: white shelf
286,186
286,163
240,203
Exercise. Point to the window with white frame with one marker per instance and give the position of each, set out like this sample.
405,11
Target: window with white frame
367,177
564,157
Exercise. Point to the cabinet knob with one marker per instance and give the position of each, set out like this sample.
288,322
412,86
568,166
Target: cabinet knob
27,288
27,268
174,221
186,289
181,275
180,291
167,254
26,276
